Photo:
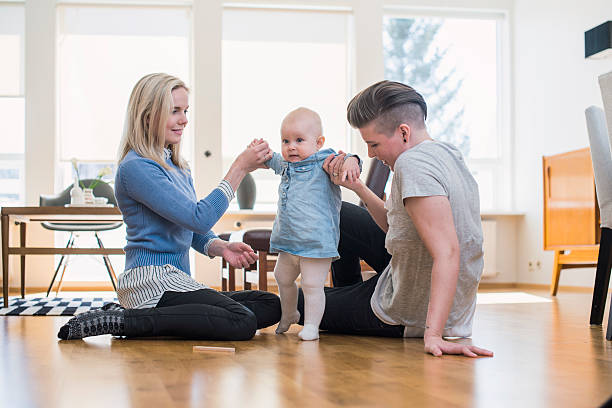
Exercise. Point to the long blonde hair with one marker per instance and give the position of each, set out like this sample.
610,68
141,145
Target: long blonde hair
146,117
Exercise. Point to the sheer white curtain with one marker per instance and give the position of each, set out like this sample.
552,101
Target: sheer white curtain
273,62
102,53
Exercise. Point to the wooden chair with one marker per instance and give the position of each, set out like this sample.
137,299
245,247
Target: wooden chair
604,263
257,273
570,212
377,179
228,272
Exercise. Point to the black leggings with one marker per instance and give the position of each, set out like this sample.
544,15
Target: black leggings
348,311
205,314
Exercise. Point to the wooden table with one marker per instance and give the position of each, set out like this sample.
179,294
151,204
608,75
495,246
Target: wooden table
23,215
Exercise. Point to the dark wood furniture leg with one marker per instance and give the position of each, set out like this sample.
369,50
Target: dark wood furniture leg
5,271
231,274
263,271
602,276
609,332
228,283
22,244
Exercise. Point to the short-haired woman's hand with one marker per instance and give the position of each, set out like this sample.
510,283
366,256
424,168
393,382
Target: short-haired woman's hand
437,346
239,254
333,166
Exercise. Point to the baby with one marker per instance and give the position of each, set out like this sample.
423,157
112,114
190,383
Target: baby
306,228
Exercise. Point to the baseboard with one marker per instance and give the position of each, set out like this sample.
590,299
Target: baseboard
496,285
533,286
68,287
562,288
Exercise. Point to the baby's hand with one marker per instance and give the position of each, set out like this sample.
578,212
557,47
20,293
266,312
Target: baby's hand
350,169
255,142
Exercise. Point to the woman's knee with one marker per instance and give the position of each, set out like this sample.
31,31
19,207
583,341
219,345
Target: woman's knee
243,328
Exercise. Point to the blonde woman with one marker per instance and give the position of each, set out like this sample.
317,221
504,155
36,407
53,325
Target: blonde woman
155,193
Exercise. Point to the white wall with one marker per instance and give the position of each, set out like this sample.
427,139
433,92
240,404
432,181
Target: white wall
553,84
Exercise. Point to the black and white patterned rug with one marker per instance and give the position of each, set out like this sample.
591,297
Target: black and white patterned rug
52,306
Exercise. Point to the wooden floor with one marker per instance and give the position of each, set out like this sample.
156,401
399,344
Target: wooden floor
546,355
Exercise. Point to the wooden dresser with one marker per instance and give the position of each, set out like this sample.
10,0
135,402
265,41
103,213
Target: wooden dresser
571,212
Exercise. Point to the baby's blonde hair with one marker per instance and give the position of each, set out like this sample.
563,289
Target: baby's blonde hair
146,117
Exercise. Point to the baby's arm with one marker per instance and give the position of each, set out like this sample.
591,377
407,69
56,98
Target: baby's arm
351,169
343,167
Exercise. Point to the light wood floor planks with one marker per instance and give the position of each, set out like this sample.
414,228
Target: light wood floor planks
546,355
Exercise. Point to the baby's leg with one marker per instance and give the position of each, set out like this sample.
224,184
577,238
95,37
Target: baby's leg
286,272
314,272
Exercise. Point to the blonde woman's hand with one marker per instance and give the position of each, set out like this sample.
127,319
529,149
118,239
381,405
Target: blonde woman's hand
254,156
239,254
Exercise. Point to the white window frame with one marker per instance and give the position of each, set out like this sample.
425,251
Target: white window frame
502,165
18,157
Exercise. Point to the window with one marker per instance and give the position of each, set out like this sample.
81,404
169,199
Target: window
455,63
273,62
12,105
102,52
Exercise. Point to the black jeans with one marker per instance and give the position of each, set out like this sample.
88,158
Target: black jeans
347,304
348,311
360,238
205,314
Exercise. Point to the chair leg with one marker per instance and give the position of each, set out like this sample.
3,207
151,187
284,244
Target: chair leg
107,263
263,271
59,285
68,245
554,285
247,285
602,277
231,273
22,242
609,332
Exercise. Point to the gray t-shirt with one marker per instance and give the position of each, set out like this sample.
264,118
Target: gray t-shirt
430,168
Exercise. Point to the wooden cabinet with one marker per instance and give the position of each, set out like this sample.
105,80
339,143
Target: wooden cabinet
571,212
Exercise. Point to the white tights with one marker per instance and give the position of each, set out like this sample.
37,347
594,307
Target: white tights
314,272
